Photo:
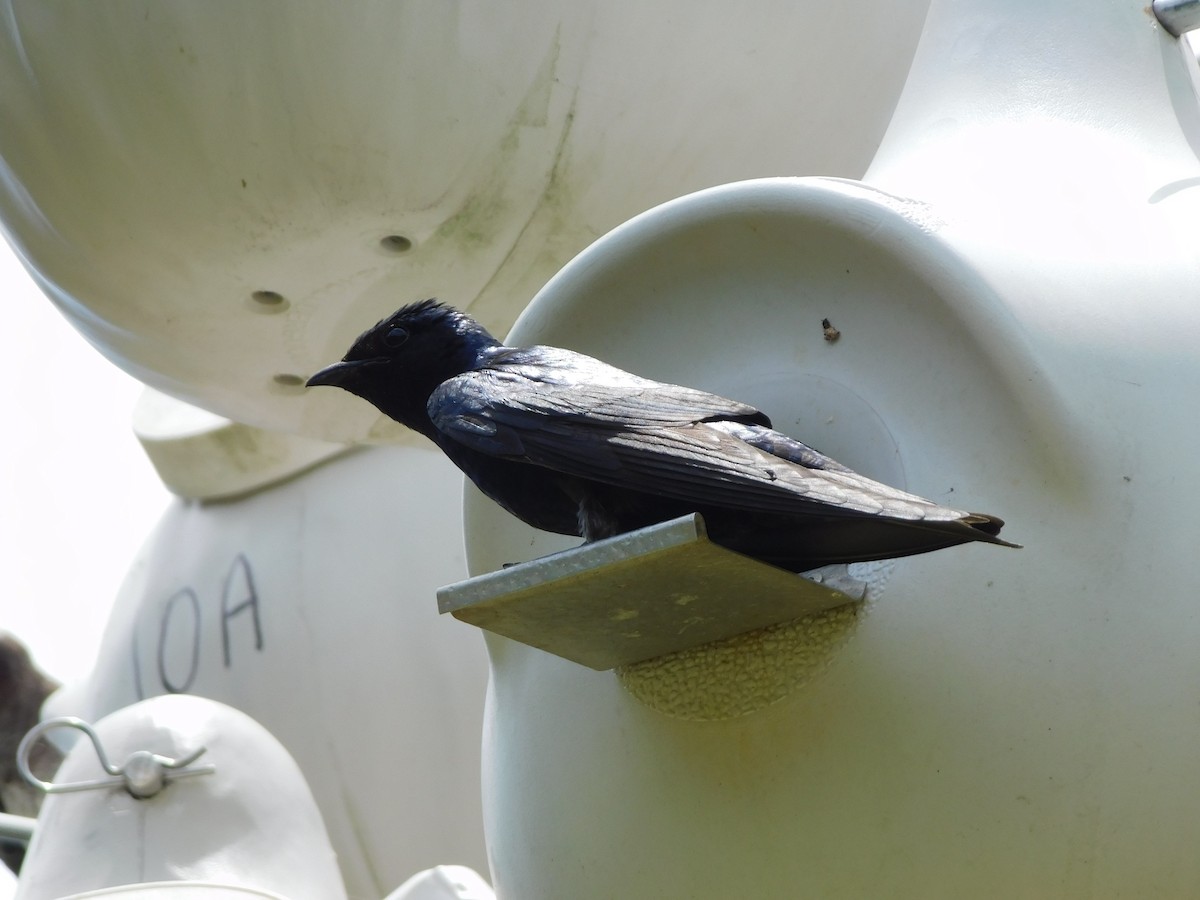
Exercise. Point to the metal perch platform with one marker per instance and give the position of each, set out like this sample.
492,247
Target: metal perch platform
641,595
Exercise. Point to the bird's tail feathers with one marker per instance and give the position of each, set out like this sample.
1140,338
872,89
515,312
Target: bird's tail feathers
987,528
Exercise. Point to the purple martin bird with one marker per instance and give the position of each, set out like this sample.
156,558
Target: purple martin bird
572,445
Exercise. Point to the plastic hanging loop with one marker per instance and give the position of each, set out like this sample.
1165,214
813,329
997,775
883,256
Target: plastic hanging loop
143,775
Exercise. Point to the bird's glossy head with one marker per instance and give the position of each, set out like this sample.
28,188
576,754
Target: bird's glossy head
400,361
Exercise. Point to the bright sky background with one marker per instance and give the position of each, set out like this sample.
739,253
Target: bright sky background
77,494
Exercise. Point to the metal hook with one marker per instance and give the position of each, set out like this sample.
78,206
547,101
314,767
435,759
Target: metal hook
144,774
1178,17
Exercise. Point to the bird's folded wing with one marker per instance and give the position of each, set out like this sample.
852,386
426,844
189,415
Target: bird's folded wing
557,382
654,438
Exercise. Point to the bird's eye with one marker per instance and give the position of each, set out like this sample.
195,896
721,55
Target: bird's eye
395,337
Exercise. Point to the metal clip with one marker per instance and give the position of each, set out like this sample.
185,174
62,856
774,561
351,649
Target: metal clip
144,774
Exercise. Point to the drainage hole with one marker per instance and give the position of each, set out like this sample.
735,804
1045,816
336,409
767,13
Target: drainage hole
396,243
268,301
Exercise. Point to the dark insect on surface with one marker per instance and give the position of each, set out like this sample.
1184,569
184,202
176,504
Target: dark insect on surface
573,445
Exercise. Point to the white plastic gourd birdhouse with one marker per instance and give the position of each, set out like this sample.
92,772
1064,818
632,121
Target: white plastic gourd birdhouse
179,797
1010,289
220,200
285,591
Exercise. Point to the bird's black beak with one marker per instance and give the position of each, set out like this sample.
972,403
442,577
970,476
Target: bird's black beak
340,373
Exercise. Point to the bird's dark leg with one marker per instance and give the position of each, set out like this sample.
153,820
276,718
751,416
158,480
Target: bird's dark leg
596,522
